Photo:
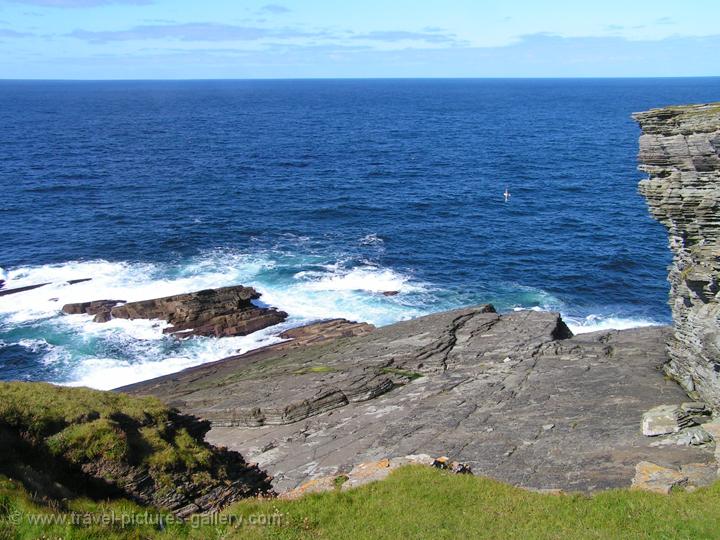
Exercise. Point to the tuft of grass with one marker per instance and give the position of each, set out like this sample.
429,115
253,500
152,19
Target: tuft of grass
81,425
101,438
42,409
340,480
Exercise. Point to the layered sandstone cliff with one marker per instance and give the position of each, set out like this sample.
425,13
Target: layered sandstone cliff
680,152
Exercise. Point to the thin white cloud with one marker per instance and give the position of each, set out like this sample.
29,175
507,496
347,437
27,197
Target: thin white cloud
7,33
191,32
391,36
537,55
80,3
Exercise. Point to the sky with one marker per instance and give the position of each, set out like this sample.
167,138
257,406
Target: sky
233,39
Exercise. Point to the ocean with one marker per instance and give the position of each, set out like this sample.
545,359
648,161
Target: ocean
322,194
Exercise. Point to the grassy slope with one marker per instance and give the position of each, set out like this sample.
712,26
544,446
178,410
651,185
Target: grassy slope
416,502
81,424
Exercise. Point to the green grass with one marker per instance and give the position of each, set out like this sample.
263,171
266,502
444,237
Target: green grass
340,480
82,425
414,502
44,409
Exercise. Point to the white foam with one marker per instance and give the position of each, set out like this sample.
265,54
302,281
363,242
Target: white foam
55,356
366,278
121,351
34,345
110,280
593,323
354,294
107,373
371,240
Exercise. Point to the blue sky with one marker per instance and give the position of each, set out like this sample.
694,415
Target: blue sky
184,39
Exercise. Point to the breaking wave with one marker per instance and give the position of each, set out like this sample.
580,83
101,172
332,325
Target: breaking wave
38,342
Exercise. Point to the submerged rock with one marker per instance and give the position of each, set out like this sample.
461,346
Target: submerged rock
6,292
680,152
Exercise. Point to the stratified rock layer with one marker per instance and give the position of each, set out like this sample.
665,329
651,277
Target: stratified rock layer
514,396
227,311
680,152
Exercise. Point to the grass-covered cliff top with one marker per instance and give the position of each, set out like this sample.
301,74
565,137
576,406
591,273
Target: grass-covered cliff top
63,444
81,425
700,118
414,502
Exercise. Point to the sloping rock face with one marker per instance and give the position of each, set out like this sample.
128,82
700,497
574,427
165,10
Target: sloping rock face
680,152
227,311
516,397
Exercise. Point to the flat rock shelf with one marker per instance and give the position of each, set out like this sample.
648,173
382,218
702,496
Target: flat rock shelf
514,396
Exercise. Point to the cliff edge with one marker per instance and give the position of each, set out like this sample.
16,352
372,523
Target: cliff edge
680,152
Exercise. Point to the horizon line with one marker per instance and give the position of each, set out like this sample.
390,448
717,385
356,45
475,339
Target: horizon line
360,78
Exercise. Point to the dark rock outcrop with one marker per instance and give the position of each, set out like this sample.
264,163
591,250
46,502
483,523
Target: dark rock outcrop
680,152
99,308
227,311
514,396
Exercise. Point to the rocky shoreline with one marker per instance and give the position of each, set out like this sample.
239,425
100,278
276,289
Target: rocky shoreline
516,397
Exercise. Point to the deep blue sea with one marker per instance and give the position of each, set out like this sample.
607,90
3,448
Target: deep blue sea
322,195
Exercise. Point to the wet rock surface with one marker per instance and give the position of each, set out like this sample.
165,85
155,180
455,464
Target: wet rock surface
5,291
99,308
515,397
227,311
680,152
